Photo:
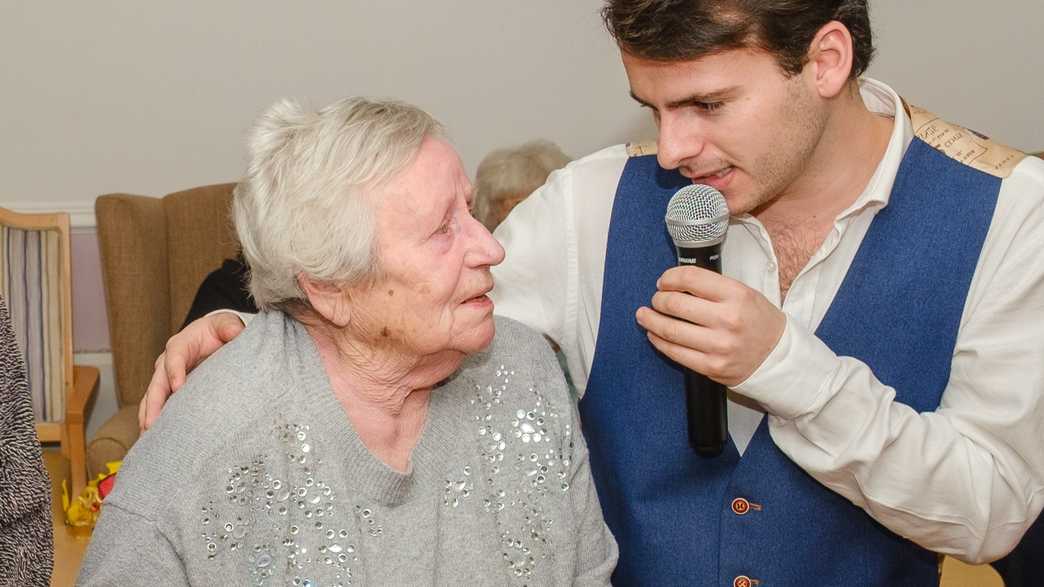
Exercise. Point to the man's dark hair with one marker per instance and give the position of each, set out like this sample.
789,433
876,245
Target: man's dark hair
683,30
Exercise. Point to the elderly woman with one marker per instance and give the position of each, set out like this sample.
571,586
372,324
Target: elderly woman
507,176
367,427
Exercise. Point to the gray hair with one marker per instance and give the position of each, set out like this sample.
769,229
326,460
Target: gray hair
514,171
301,207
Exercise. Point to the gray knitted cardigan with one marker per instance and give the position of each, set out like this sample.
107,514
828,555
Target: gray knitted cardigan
254,475
26,536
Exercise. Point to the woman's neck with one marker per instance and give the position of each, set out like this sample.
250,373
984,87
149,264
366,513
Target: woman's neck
384,392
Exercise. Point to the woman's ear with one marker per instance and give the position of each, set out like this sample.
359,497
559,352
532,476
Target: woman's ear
330,301
830,56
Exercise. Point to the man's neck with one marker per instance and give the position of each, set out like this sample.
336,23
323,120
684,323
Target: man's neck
797,222
844,161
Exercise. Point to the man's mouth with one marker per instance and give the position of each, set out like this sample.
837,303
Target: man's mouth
720,173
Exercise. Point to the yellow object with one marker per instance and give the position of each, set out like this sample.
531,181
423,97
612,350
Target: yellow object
82,512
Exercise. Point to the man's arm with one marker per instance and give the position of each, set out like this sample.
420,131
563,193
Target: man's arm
184,351
532,284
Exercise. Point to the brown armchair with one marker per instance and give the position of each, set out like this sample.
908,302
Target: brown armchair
155,252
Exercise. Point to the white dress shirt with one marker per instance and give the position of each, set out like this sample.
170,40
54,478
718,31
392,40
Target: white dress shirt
966,479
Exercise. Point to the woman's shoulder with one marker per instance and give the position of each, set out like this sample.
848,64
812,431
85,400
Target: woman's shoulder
518,380
515,339
520,349
220,410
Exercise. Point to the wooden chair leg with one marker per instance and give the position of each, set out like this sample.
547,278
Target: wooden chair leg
85,384
77,459
63,440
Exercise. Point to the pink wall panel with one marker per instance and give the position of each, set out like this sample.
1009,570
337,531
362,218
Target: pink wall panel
90,326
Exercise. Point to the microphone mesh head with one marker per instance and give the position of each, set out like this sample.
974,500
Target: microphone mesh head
697,215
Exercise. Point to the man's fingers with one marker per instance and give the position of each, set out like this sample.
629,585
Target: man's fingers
686,307
156,395
700,282
682,355
679,332
175,363
228,326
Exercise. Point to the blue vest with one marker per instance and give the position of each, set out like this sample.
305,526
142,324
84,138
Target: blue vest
898,310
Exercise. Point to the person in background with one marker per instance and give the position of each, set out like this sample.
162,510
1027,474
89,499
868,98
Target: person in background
507,176
374,424
875,322
224,288
26,532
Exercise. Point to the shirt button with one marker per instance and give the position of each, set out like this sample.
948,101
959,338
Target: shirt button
740,506
741,581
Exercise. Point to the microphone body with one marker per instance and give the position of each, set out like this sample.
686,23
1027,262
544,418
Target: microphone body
697,220
705,404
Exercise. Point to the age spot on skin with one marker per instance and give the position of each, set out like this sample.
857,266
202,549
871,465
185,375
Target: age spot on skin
391,293
384,331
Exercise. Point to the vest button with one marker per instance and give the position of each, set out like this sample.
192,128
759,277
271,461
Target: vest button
742,581
740,506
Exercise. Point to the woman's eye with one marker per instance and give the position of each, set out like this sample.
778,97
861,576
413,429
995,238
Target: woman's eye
709,106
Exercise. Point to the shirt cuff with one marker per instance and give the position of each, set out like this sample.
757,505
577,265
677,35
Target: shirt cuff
793,378
244,317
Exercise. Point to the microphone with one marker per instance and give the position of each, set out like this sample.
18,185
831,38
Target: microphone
697,220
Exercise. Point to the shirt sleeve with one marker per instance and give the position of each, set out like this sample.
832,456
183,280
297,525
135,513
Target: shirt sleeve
534,284
128,549
968,478
244,317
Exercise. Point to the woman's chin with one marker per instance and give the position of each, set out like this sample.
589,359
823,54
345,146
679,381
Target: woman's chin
477,339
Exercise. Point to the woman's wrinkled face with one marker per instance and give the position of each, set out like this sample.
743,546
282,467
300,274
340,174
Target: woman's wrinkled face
434,260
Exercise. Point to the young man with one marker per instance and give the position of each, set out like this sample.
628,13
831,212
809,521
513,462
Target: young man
874,305
876,323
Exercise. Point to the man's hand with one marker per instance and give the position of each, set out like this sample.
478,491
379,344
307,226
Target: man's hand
711,324
184,351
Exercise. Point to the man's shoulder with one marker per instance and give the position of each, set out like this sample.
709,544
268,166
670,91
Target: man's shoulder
603,163
1023,190
964,145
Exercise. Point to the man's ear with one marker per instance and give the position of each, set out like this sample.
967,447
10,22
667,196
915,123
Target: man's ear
330,301
830,57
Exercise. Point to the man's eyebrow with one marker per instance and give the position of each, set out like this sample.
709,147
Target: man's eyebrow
715,96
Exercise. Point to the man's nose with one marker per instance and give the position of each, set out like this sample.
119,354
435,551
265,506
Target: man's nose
677,142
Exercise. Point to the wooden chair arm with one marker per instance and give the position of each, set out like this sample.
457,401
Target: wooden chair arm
85,384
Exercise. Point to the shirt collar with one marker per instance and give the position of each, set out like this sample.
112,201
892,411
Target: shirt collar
881,99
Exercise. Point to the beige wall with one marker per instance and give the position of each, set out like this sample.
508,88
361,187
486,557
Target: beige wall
973,62
151,97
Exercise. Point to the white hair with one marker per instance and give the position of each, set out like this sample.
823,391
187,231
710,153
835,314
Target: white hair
301,209
512,172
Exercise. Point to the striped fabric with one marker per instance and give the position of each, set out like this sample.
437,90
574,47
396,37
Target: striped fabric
30,264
